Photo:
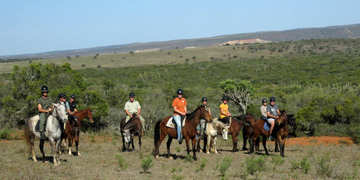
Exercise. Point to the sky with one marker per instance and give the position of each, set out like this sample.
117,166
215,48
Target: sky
33,26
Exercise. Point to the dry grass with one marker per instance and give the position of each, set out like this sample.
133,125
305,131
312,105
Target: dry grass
99,160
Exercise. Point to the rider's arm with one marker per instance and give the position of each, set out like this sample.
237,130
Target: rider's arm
128,113
278,111
270,115
40,109
139,108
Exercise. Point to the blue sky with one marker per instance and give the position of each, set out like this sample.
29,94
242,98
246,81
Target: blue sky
43,25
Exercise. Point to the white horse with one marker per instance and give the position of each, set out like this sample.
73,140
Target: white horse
213,129
52,132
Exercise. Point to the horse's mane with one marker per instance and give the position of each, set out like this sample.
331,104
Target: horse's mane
191,115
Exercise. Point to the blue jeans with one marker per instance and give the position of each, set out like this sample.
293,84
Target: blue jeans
177,120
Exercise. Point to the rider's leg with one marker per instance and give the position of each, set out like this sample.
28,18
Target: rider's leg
127,119
272,123
42,125
177,120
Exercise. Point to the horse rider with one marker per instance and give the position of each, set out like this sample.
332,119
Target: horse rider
62,100
180,110
201,127
263,109
44,107
133,106
71,108
272,112
225,115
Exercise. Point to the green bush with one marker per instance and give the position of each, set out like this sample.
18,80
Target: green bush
354,133
202,165
255,164
121,161
277,161
324,167
224,165
5,134
147,163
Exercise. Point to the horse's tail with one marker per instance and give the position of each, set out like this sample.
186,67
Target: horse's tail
157,132
27,135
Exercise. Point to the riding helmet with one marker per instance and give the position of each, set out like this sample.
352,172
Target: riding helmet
131,94
272,99
62,95
204,99
180,91
44,89
72,96
225,98
263,100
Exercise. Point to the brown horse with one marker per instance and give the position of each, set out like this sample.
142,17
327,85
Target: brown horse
281,132
188,131
255,130
72,128
130,129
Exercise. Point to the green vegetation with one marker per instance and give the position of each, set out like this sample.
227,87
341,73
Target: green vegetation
121,162
255,164
5,134
147,163
316,80
224,165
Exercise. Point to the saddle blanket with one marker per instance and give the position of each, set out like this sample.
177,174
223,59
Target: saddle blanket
171,123
266,126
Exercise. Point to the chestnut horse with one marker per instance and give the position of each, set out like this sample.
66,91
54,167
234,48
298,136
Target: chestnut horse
72,128
130,129
188,131
255,130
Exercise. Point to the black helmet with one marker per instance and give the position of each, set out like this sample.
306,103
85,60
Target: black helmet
263,100
272,99
131,94
44,89
180,91
73,96
204,99
62,95
225,98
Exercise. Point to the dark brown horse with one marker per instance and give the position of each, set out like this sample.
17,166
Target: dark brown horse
255,129
130,129
281,132
72,128
188,131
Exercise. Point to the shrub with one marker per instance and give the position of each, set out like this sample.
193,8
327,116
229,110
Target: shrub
121,161
5,134
147,163
305,165
188,158
255,164
277,161
324,168
224,166
202,165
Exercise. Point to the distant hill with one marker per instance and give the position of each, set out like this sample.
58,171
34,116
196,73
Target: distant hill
333,32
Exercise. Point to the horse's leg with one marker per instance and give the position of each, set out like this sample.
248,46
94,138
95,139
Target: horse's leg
198,143
158,143
31,147
41,146
257,144
234,136
77,140
214,145
194,148
140,142
132,143
277,145
57,148
264,144
205,142
282,146
244,140
168,143
208,144
123,140
70,142
252,141
187,145
53,150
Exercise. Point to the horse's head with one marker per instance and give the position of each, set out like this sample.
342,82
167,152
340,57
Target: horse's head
205,114
282,118
60,111
90,116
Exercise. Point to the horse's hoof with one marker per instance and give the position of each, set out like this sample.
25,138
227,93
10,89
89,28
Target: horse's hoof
216,152
157,156
195,158
170,157
78,154
207,152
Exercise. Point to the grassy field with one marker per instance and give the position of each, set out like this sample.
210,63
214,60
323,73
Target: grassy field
101,159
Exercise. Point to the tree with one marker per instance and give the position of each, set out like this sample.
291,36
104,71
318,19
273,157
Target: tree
239,92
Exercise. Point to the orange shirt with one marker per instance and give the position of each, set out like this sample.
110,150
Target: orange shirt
179,104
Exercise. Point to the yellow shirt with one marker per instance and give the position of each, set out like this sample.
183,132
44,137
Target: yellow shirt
225,109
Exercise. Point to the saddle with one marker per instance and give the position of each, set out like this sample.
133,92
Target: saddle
171,122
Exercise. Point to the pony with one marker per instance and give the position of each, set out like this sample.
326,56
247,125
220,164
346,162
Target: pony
53,132
281,132
213,129
72,129
188,130
130,129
